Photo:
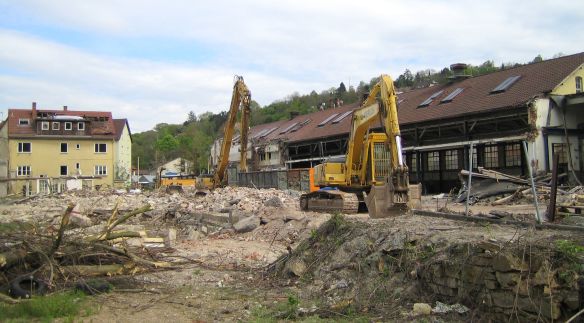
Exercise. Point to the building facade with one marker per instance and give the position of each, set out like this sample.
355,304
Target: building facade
56,150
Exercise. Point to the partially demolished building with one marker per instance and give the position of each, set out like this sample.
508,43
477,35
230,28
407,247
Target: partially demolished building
541,103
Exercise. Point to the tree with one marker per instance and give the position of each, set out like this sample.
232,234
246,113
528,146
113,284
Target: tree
191,117
537,59
341,90
166,145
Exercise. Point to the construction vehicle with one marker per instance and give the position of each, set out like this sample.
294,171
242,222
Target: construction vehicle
241,97
372,174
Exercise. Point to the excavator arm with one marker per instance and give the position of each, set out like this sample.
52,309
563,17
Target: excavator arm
392,197
241,97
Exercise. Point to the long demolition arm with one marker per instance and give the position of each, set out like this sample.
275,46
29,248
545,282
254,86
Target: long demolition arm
241,97
365,116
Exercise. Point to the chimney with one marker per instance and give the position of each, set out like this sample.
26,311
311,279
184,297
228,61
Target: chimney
458,72
64,108
34,111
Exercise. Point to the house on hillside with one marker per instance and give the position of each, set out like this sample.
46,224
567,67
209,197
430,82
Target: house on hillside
47,151
176,167
539,103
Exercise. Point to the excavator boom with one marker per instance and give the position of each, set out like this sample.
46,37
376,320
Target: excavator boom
241,97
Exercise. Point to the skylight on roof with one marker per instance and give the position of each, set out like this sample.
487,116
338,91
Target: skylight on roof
327,119
260,133
305,122
268,132
452,95
506,84
430,99
342,116
288,128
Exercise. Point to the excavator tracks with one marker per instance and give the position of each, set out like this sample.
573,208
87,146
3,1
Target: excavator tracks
330,201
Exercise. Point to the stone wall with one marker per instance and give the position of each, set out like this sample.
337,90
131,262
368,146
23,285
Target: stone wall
524,284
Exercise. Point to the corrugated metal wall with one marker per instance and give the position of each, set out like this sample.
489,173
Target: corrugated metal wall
293,179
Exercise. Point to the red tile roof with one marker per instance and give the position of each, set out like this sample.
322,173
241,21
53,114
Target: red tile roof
100,129
536,80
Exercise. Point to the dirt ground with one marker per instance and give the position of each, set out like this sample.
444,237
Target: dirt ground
225,278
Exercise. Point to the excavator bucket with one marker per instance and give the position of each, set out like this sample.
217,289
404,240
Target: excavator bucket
391,198
380,202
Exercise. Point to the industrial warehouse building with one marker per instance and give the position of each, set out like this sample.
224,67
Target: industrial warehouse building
541,103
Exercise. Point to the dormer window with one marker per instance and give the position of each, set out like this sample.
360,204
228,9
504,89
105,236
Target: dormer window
23,122
81,126
578,84
68,126
44,125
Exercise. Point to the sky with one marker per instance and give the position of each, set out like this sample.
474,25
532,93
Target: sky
154,61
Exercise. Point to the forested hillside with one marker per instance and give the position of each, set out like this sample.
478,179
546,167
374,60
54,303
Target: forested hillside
192,139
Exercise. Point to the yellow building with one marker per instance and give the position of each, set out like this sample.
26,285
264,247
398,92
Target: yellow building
56,150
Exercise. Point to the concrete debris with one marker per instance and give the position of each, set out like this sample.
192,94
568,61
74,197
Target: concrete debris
442,308
247,224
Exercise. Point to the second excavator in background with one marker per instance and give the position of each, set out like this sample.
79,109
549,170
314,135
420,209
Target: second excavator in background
372,173
241,97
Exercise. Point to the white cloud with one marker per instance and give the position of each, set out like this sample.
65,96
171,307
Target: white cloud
278,46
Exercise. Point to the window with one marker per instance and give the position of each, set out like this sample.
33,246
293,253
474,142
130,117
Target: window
68,126
100,170
268,132
506,84
23,122
475,161
578,84
512,155
562,149
414,162
81,126
452,95
491,156
100,148
64,147
451,159
56,126
64,170
327,120
23,171
433,160
430,99
342,116
77,146
24,147
44,125
288,128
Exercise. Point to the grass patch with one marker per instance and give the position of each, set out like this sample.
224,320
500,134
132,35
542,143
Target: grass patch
60,305
16,226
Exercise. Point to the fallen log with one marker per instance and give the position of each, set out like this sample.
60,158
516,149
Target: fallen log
102,270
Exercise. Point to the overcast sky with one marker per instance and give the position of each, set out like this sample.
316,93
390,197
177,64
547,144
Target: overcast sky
154,61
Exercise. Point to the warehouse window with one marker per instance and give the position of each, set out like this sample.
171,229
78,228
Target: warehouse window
451,159
512,155
433,160
491,156
562,149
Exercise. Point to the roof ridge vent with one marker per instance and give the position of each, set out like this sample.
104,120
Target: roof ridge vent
458,72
